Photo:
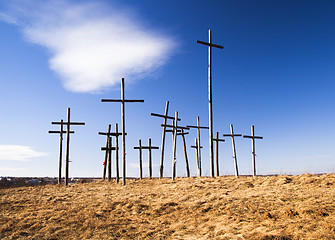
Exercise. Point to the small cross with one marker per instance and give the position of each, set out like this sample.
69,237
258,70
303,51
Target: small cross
232,135
68,124
253,137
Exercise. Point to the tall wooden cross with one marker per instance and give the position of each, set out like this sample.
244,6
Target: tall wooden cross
210,45
217,140
199,143
175,129
166,117
149,147
122,101
68,125
116,134
253,137
232,135
196,147
60,149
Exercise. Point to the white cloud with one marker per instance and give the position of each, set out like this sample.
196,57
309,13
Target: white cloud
18,153
92,45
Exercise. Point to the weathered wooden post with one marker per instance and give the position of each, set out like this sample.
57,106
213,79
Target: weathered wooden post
166,117
149,147
123,101
60,149
68,125
140,156
232,135
210,45
217,140
196,147
198,127
253,137
115,134
185,151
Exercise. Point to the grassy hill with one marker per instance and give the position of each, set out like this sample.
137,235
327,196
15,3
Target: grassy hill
271,207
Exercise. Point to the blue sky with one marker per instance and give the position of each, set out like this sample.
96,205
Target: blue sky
276,72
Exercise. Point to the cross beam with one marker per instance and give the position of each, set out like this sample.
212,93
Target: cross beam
199,143
253,137
60,149
217,140
166,117
232,135
68,125
172,126
149,147
210,45
123,101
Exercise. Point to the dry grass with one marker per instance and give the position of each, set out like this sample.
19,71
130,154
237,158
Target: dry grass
275,207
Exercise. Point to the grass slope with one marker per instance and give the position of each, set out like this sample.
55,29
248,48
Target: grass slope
272,207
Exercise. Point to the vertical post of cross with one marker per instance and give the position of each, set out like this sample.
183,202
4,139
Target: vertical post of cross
253,137
211,150
122,101
174,160
182,133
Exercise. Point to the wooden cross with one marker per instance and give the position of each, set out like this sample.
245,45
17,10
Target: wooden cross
115,134
232,135
175,129
196,147
140,147
199,144
166,117
68,125
217,140
210,45
253,137
60,149
123,101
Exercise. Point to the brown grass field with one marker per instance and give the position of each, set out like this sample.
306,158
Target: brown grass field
271,207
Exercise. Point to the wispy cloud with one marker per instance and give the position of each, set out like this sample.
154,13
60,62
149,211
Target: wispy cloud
19,153
92,45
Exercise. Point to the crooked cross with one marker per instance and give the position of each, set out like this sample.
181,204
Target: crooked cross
123,101
175,129
253,137
210,45
166,117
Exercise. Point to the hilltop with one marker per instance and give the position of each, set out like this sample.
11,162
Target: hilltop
265,207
